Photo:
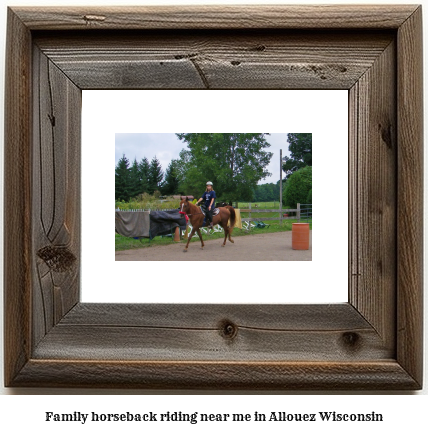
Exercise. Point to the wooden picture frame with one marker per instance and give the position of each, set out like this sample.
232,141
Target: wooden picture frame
372,342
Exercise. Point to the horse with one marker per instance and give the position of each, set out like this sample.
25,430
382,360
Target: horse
197,220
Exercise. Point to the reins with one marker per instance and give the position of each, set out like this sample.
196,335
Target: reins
185,213
181,212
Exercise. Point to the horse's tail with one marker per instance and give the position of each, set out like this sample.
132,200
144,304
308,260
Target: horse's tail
232,215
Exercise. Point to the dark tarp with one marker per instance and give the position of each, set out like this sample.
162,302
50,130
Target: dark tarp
165,222
133,224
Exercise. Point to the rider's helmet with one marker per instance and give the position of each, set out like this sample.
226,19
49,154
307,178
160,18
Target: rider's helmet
209,183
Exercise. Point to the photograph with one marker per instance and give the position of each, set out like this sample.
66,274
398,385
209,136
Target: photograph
172,187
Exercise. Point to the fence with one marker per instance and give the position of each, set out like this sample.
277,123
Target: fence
300,213
303,212
273,204
306,211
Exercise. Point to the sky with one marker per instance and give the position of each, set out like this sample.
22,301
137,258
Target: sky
166,146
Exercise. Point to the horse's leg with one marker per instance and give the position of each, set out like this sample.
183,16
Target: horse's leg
200,237
229,232
224,226
189,238
229,229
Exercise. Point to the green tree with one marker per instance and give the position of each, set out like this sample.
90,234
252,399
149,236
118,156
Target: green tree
122,180
297,187
134,180
190,177
155,175
172,180
143,168
234,162
266,192
300,148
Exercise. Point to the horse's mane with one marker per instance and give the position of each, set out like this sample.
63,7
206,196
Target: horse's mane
192,206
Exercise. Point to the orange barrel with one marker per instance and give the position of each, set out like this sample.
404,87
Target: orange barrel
300,236
177,234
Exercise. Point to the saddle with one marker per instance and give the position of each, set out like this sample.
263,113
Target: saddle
215,211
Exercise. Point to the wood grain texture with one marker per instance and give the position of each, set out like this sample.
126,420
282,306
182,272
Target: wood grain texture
199,332
385,375
216,59
210,316
56,194
372,342
373,177
17,199
410,196
223,17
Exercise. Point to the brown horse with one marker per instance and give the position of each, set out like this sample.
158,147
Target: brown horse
197,220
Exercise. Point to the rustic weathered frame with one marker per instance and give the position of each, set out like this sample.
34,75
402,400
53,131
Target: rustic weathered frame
372,342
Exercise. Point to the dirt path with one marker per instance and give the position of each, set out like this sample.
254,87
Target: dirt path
260,247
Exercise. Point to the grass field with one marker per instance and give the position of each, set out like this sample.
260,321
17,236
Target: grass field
124,243
261,205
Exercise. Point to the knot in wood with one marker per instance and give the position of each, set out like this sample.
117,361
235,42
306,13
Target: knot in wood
227,329
58,259
351,340
386,134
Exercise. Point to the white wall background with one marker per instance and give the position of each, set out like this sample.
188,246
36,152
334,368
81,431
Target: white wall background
324,113
401,412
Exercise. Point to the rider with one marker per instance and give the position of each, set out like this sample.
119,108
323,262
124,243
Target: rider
208,197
